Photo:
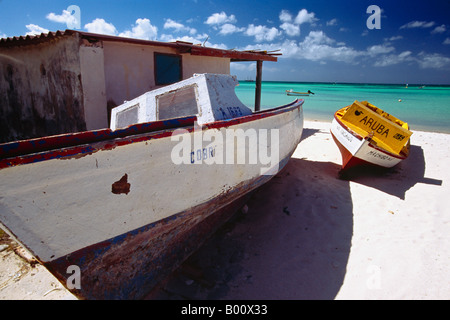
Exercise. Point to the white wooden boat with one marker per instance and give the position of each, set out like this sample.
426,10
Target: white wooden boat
366,135
291,92
125,206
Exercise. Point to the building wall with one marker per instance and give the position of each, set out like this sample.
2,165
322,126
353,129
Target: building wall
92,65
68,84
129,69
40,89
200,64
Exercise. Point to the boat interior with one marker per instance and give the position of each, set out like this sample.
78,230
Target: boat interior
209,97
387,142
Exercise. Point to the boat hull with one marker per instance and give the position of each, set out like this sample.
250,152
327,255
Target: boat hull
357,151
294,93
122,212
131,265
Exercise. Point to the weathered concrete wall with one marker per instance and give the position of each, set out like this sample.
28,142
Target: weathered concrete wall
129,69
201,64
93,79
66,84
40,89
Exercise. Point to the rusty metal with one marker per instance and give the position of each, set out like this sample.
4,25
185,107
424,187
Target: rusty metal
131,265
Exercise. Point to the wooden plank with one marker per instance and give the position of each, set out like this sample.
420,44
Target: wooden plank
258,85
232,54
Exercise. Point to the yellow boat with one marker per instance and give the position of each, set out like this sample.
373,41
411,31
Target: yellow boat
366,135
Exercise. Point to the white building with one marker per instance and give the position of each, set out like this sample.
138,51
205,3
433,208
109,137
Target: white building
68,81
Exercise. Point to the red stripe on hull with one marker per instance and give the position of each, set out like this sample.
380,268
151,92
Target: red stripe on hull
84,143
349,161
346,155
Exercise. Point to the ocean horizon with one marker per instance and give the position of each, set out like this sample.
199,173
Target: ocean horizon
426,107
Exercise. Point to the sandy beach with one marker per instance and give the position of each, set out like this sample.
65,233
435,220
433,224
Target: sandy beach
309,235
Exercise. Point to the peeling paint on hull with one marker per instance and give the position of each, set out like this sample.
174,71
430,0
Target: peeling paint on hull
131,265
66,213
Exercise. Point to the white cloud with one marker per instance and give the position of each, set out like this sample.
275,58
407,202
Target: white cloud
224,23
418,24
379,49
320,48
143,29
439,29
66,17
285,16
393,38
34,29
291,29
433,61
178,27
229,28
332,22
220,18
292,26
171,24
391,59
317,46
289,48
102,27
304,17
243,66
318,37
262,33
446,41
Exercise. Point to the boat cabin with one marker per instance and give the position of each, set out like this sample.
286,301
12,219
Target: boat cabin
208,97
69,81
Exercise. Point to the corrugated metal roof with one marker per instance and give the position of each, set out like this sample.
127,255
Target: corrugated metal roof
182,47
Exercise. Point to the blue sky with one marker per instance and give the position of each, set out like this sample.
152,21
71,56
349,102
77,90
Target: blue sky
327,41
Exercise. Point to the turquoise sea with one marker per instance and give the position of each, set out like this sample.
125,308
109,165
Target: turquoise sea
425,108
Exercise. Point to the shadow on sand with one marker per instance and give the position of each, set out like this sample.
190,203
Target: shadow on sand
398,180
293,242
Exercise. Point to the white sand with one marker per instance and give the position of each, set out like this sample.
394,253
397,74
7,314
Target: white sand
309,235
378,237
19,280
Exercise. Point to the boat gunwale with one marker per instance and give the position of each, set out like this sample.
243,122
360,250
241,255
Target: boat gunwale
347,128
108,139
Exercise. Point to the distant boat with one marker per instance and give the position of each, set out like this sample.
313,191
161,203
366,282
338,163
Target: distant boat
126,205
295,93
366,135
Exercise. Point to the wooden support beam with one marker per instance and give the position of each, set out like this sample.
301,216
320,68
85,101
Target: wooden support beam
259,64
